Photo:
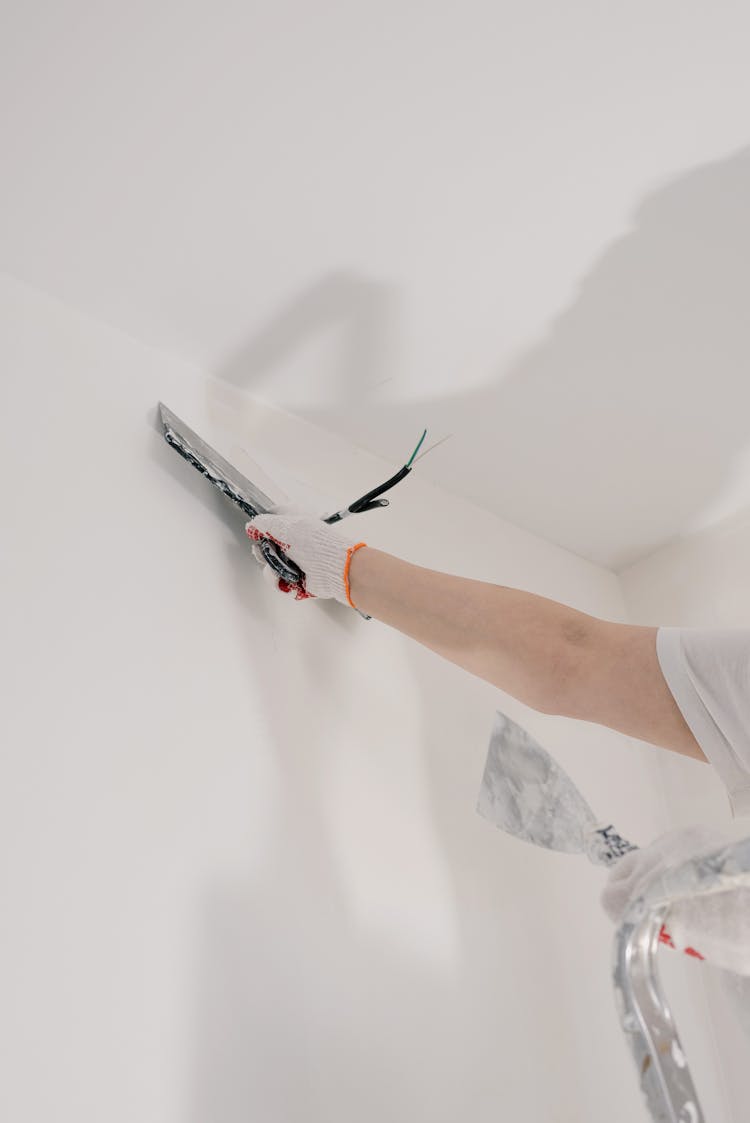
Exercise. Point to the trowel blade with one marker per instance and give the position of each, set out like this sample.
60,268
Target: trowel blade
526,793
247,496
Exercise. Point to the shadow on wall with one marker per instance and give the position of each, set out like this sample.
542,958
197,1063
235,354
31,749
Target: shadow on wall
616,430
632,410
305,1009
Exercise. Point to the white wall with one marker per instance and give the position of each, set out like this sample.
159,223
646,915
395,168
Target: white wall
242,872
508,221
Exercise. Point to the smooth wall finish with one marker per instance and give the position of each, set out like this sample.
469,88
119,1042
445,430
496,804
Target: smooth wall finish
242,872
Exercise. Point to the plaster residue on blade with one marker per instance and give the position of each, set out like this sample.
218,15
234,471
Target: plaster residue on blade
211,474
247,496
525,792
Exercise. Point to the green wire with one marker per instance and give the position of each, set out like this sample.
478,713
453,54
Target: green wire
416,450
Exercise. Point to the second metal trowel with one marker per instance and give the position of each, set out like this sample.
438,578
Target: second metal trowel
526,793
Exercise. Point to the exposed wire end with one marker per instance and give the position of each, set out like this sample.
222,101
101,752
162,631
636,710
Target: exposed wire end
416,450
445,438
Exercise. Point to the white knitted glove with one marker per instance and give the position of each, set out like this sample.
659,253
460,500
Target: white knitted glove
321,552
629,876
714,927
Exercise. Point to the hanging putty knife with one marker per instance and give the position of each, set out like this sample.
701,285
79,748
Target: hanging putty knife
526,793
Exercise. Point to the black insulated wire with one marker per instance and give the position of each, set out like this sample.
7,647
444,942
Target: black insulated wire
370,501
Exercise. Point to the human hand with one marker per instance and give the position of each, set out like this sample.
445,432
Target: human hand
321,552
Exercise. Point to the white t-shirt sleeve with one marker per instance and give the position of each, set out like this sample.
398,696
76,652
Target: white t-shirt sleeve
708,673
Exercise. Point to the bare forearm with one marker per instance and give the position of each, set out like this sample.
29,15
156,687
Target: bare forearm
522,643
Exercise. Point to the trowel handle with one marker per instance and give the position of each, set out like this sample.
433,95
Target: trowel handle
604,846
280,563
288,570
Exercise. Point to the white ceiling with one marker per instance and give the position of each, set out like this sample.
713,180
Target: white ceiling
524,226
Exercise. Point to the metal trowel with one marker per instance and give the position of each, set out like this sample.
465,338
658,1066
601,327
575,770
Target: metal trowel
526,793
252,501
244,494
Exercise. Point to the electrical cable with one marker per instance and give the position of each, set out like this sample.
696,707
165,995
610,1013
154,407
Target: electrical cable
370,501
290,572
